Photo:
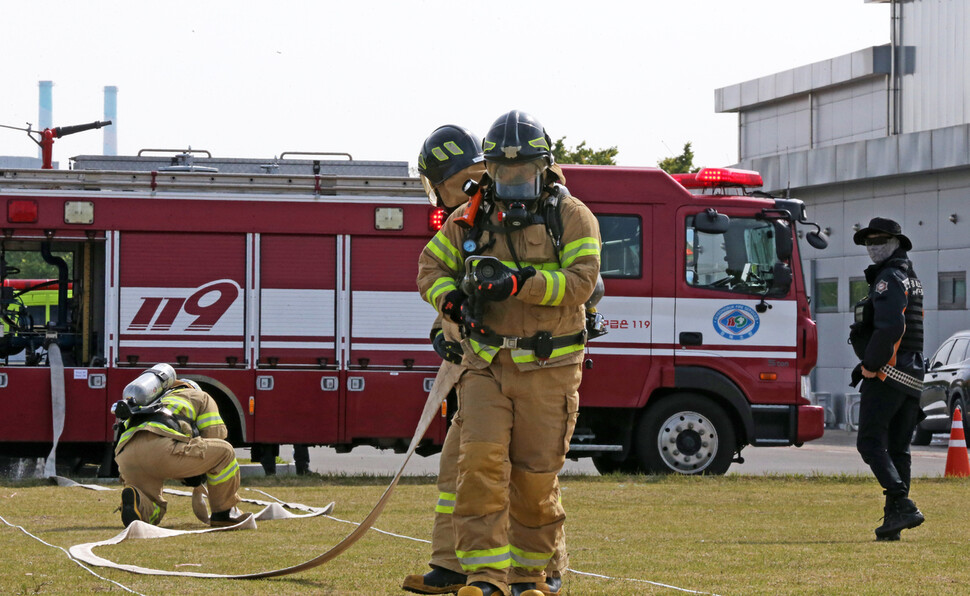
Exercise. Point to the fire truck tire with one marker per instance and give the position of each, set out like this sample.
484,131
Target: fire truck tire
686,433
605,464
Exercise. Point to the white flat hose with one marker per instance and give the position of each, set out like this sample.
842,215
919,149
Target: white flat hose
57,405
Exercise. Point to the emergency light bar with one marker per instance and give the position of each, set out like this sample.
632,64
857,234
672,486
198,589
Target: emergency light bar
715,177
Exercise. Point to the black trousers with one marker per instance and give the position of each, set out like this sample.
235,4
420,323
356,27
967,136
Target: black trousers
887,419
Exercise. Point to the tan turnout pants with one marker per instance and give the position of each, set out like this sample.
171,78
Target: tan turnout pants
443,532
515,429
147,460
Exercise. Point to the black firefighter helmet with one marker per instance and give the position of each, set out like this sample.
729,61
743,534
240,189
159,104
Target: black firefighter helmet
447,151
518,151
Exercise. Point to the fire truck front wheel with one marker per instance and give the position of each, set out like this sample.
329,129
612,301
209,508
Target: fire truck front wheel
686,433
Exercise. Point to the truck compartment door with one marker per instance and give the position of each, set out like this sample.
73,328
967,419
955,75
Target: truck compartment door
181,298
390,323
297,301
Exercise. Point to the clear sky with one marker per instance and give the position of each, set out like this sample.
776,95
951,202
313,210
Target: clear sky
373,78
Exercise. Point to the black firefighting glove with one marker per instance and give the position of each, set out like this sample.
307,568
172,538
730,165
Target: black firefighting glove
452,305
507,285
470,320
194,481
448,350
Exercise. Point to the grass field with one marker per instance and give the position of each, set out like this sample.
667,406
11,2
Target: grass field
723,535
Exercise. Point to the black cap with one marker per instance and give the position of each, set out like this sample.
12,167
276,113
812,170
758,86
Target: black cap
881,225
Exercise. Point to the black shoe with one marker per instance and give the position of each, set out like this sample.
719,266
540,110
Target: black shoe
900,514
480,589
887,537
437,581
552,585
129,505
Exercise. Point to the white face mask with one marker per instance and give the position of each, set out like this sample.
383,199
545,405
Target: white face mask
880,252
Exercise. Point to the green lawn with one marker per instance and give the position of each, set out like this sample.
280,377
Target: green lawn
723,535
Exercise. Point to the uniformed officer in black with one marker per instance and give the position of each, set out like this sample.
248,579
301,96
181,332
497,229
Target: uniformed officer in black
887,337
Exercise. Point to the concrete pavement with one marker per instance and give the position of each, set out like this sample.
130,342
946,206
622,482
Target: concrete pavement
834,453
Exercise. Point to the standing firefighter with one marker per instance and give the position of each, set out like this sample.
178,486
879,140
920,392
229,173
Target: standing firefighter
887,337
527,256
172,429
450,157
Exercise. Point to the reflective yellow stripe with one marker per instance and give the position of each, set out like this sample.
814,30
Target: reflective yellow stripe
446,503
522,356
493,558
579,248
442,286
179,405
531,561
226,473
453,148
144,426
442,248
484,351
156,513
210,419
555,287
540,143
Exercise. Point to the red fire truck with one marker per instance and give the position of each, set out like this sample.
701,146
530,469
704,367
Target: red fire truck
288,294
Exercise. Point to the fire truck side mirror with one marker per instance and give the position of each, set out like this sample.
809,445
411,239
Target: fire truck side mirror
783,240
712,222
781,279
817,240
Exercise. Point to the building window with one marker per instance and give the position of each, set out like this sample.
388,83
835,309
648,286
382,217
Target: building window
858,289
827,294
953,290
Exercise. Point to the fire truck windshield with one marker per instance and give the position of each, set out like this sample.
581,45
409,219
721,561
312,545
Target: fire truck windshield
740,260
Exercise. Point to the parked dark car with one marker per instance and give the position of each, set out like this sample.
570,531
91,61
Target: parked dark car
946,386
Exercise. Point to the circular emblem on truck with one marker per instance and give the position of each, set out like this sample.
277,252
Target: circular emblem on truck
736,321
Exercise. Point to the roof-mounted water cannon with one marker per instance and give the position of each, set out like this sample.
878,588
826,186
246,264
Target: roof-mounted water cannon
720,178
45,138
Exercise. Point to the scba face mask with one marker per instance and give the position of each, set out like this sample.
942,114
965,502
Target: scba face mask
518,181
882,251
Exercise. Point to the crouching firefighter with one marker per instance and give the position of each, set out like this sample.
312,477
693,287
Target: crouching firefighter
170,428
529,256
887,337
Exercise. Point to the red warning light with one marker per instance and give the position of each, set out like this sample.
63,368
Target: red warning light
436,218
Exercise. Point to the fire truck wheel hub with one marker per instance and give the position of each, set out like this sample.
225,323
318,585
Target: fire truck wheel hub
687,442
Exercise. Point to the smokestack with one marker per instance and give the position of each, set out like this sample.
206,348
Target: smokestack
45,115
111,115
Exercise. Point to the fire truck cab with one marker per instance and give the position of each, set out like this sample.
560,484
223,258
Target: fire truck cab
288,294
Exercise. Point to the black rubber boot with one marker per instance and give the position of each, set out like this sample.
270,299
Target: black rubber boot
129,506
224,519
480,589
437,581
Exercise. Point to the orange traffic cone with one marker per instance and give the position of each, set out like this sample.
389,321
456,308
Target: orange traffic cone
957,461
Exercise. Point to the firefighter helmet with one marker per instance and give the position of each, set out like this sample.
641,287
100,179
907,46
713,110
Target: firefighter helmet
518,151
446,151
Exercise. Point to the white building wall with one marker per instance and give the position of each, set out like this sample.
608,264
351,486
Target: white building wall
937,94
